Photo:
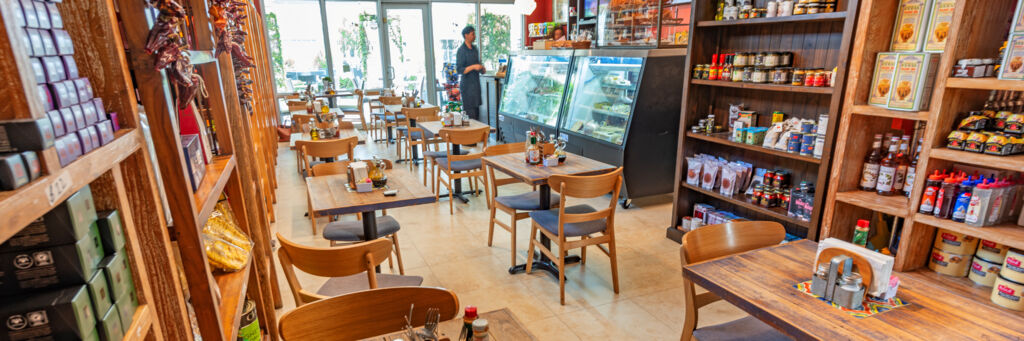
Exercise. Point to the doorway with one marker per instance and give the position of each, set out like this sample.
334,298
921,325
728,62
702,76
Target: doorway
407,58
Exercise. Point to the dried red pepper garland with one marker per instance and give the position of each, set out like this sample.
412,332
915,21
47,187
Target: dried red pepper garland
228,20
170,47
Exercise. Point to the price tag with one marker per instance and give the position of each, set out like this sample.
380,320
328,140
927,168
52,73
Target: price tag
58,187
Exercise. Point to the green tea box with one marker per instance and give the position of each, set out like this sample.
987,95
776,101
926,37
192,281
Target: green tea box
63,314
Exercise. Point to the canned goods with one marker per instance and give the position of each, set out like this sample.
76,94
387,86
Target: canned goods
769,178
955,242
983,272
793,145
950,264
809,77
1008,294
778,116
806,126
1013,266
992,251
807,145
781,179
819,145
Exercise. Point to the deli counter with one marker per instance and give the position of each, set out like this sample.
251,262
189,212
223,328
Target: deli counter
613,105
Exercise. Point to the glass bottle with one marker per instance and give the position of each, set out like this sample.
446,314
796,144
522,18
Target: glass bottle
887,170
869,173
908,183
720,10
902,164
860,232
533,152
467,323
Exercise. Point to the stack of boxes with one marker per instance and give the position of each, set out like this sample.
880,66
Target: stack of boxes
76,122
66,276
903,78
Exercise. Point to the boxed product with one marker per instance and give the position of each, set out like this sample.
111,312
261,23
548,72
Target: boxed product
66,149
908,34
126,305
912,84
35,170
86,140
70,124
118,273
44,94
193,159
109,326
56,21
35,39
111,232
881,81
50,267
79,115
41,14
54,67
938,25
84,88
67,223
106,131
63,40
89,111
63,314
94,136
18,136
19,16
38,70
70,67
49,46
1013,59
13,173
56,122
31,18
99,293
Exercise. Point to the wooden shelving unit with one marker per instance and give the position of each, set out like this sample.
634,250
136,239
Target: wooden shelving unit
978,28
817,40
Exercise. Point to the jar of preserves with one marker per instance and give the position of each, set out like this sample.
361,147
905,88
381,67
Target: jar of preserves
742,59
760,75
829,8
737,75
772,59
809,77
697,71
820,78
786,58
748,73
813,8
780,75
759,59
758,193
799,9
798,77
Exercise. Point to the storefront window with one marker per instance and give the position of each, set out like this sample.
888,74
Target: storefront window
355,44
297,44
500,31
448,20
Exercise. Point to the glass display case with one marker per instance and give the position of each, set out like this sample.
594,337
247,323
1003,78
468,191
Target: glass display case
534,88
675,23
603,91
628,23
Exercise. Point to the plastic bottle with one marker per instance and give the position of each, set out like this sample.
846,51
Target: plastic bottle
931,191
1012,199
860,233
981,202
963,199
945,198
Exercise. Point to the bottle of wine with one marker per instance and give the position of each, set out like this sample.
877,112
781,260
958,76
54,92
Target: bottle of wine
908,183
902,165
887,170
869,173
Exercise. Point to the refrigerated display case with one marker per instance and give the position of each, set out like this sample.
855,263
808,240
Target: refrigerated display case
675,23
622,108
533,92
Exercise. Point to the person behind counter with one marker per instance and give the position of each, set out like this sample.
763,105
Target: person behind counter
558,34
467,63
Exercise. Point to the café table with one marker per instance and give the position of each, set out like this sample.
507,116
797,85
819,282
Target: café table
434,127
330,195
514,165
940,307
342,134
502,326
397,110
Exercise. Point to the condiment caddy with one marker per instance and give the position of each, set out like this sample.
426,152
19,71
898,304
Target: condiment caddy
542,150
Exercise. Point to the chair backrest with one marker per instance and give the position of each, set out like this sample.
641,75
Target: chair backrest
301,120
713,241
500,149
339,167
366,313
336,261
420,114
587,186
465,137
391,100
296,106
346,124
329,148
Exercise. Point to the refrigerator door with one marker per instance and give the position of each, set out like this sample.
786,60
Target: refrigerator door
604,89
534,88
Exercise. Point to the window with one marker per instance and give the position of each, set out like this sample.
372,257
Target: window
355,44
501,33
297,44
447,21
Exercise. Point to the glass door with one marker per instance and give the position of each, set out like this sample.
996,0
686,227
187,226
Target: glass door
408,63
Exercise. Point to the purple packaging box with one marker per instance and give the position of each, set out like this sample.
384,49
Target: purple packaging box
64,152
113,121
12,172
31,18
46,96
69,121
49,47
94,136
60,94
106,130
85,141
90,113
72,92
38,70
57,122
54,69
84,88
36,39
56,21
32,164
79,116
25,40
63,40
42,15
19,15
70,67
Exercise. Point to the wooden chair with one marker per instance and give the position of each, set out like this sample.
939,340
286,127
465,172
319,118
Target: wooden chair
365,314
301,122
344,265
309,150
460,166
389,119
510,204
355,110
581,221
713,241
414,136
296,105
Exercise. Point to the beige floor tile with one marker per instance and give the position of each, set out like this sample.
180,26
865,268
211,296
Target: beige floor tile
551,329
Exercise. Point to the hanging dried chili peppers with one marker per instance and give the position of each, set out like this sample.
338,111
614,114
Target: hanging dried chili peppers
170,48
228,17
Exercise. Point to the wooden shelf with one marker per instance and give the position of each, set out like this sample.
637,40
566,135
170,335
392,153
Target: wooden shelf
964,287
217,173
741,200
1010,162
871,110
142,321
21,206
726,142
232,297
990,83
896,205
1009,234
824,90
802,18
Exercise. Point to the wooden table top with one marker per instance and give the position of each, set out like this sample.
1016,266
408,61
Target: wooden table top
502,326
329,196
342,134
435,126
941,307
514,164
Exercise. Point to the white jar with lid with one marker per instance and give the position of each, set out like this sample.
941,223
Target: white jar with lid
772,9
785,8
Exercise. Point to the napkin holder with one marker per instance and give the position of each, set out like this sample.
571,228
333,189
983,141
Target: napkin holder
359,177
551,160
881,265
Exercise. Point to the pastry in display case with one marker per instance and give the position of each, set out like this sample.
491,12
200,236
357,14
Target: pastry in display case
604,90
628,23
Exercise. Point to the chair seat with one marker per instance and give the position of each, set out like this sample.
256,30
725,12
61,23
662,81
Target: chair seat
416,135
393,118
548,219
338,286
747,328
352,230
459,166
441,154
529,201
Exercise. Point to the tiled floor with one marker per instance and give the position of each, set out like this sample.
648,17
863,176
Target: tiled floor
451,251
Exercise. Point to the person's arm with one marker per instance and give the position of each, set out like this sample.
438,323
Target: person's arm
462,65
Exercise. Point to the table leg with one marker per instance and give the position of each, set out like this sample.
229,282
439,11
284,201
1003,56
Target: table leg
370,227
541,260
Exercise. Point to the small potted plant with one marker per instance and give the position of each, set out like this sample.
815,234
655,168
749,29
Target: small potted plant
328,85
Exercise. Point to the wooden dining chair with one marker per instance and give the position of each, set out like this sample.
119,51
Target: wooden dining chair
357,109
389,118
713,241
296,105
310,150
517,206
350,268
301,122
410,137
581,221
366,313
468,166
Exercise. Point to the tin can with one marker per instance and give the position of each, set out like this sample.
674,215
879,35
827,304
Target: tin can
809,77
955,242
758,193
769,178
1008,293
983,272
793,145
807,145
781,179
950,264
992,251
778,116
1013,266
806,126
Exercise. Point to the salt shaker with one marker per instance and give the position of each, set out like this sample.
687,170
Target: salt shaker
850,293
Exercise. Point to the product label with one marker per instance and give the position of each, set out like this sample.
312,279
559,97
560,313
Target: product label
951,239
995,209
909,71
886,176
979,270
1013,264
908,183
900,178
869,176
928,200
1008,293
1013,61
938,26
973,211
990,246
881,83
937,258
906,35
960,208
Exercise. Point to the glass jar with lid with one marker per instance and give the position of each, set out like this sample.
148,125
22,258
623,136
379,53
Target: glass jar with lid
809,76
786,59
742,59
748,73
814,8
737,75
759,75
772,59
798,77
799,9
759,59
781,75
829,8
